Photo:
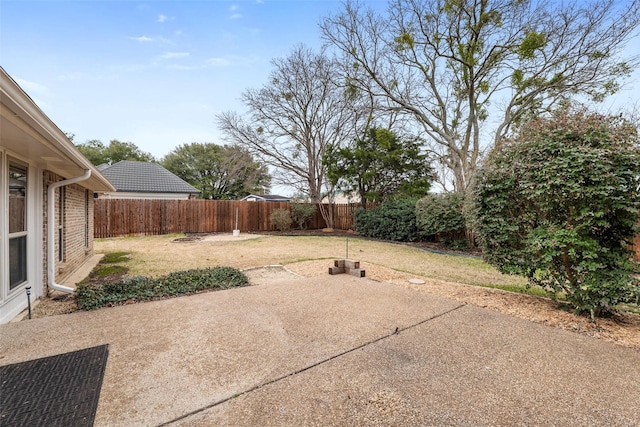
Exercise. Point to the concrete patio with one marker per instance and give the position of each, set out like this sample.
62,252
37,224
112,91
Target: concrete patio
336,350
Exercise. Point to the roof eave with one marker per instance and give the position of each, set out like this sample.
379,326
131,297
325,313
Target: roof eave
23,107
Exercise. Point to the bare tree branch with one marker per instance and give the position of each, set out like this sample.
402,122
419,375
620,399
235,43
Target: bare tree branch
450,65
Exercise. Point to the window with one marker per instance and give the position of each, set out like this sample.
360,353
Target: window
17,224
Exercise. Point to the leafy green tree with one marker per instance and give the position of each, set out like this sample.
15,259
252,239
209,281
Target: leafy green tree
558,203
379,166
218,171
116,151
465,71
93,150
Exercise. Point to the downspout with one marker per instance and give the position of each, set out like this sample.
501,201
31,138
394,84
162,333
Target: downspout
51,229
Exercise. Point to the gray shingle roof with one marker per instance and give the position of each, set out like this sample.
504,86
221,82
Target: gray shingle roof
142,177
267,197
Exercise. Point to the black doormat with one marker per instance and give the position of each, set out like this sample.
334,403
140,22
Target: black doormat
61,390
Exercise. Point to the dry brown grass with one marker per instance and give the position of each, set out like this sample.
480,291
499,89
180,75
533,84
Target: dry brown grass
159,255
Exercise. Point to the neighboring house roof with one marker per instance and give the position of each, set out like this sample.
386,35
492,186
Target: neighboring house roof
143,177
343,198
27,131
266,198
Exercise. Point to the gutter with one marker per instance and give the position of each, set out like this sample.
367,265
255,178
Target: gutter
51,238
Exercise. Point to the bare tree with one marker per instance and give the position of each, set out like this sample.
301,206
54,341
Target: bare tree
451,65
294,118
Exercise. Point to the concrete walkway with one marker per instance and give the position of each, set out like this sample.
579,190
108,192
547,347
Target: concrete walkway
336,350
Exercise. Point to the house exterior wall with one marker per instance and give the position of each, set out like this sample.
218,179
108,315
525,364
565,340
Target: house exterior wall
77,227
31,146
77,233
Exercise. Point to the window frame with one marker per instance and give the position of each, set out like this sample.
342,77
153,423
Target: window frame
9,163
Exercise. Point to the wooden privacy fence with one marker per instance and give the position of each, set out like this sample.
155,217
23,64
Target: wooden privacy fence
135,217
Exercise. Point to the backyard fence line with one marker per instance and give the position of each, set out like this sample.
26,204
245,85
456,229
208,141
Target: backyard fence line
144,217
147,217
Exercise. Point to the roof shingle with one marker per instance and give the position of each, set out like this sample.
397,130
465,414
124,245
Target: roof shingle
143,177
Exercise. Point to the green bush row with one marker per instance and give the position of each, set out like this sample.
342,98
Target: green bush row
393,220
91,296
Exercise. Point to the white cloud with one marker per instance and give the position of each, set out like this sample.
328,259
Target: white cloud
218,62
185,67
231,60
36,91
76,75
233,7
236,16
166,41
174,55
31,87
164,18
141,39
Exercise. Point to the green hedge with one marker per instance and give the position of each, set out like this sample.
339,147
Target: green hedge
392,220
91,296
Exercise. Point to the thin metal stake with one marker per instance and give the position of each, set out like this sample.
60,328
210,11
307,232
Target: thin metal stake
28,289
347,248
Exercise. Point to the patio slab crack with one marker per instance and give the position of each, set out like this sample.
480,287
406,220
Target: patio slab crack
396,331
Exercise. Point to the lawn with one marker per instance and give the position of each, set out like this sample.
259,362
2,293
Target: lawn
159,255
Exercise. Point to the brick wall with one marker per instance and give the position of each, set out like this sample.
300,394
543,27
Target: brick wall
77,227
76,250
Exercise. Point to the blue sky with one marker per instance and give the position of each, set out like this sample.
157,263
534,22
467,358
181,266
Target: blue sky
156,73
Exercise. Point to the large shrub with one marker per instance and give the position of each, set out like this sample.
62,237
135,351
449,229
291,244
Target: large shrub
281,219
301,213
558,203
443,215
393,220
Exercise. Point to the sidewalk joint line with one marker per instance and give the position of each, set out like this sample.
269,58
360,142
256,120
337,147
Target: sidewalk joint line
306,368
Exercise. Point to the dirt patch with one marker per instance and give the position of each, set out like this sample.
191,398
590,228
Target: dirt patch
622,329
215,237
53,305
270,274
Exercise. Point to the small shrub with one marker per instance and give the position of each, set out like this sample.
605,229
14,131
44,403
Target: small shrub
190,281
457,244
392,220
91,296
301,213
281,219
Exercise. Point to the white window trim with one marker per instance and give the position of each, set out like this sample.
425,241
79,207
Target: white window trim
13,301
4,225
